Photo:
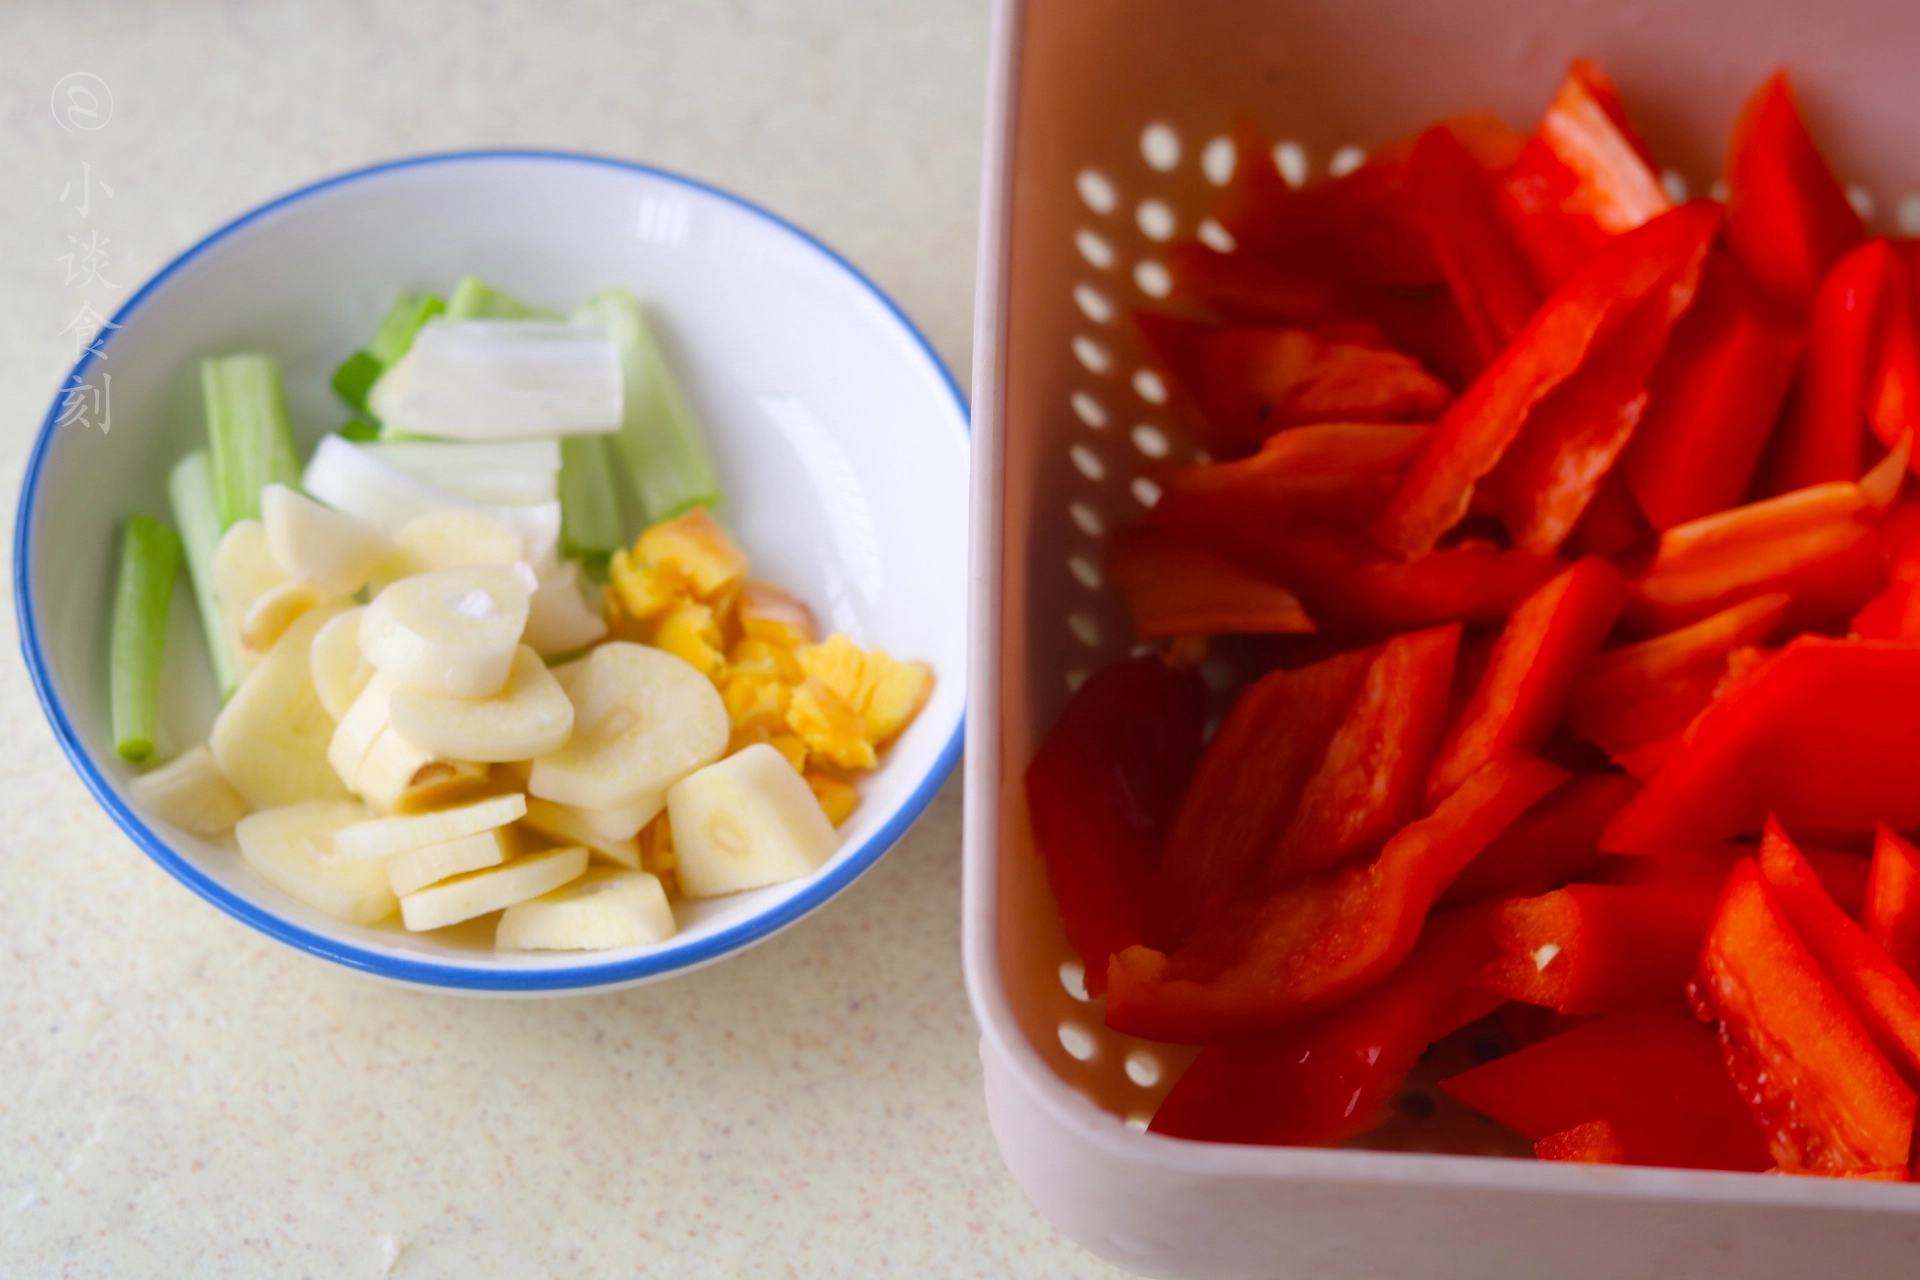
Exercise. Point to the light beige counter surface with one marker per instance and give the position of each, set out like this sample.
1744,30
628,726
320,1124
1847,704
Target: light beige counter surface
181,1097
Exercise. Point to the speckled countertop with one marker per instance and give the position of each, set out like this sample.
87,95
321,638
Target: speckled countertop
179,1096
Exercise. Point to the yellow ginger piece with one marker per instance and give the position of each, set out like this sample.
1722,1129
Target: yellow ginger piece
829,726
656,853
891,695
645,590
689,632
787,744
837,799
769,613
697,549
756,700
886,694
764,658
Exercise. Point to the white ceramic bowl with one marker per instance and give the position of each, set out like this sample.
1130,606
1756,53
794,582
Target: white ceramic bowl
840,439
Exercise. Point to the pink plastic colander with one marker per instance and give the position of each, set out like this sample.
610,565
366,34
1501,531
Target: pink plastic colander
1108,141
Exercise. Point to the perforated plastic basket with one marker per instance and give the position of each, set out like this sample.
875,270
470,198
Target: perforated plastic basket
1107,140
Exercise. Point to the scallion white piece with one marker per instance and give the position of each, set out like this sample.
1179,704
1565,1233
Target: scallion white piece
502,380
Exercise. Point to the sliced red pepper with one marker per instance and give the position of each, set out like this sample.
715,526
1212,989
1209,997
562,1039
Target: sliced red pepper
1891,912
1594,1142
1787,215
1326,938
1370,782
1842,875
1822,437
1712,400
1583,178
1820,736
1552,842
1252,382
1548,641
1174,589
1529,1024
1613,524
1101,792
1484,268
1547,479
1654,1075
1894,614
1893,383
1245,791
1825,1098
1817,545
1247,289
1479,427
1333,1076
1632,696
1335,469
1879,990
1597,948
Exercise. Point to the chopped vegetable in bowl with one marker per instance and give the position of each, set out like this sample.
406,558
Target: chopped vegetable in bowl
432,708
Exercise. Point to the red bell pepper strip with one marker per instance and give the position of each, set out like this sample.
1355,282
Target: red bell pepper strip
1583,178
1528,1024
1894,614
1548,641
1174,589
1250,383
1825,1098
1879,990
1325,938
1822,436
1484,268
1333,1076
1597,948
1893,382
1641,693
1594,1142
1613,524
1891,912
1246,289
1371,780
1842,875
1100,794
1820,735
1549,844
1817,545
1245,791
1480,426
1787,216
1712,400
1331,470
1547,479
1654,1075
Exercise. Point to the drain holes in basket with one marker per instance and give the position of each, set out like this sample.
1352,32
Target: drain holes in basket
1346,160
1718,190
1085,628
1085,571
1076,677
1290,158
1145,491
1139,1123
1906,215
1087,462
1089,410
1073,974
1151,441
1087,518
1078,1041
1094,248
1215,236
1160,146
1153,278
1143,1068
1156,219
1674,183
1861,199
1091,354
1093,304
1149,386
1217,159
1096,191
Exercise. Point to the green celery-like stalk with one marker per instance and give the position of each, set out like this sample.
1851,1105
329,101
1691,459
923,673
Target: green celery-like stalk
475,299
589,503
360,431
355,377
403,320
149,559
247,427
660,440
190,489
